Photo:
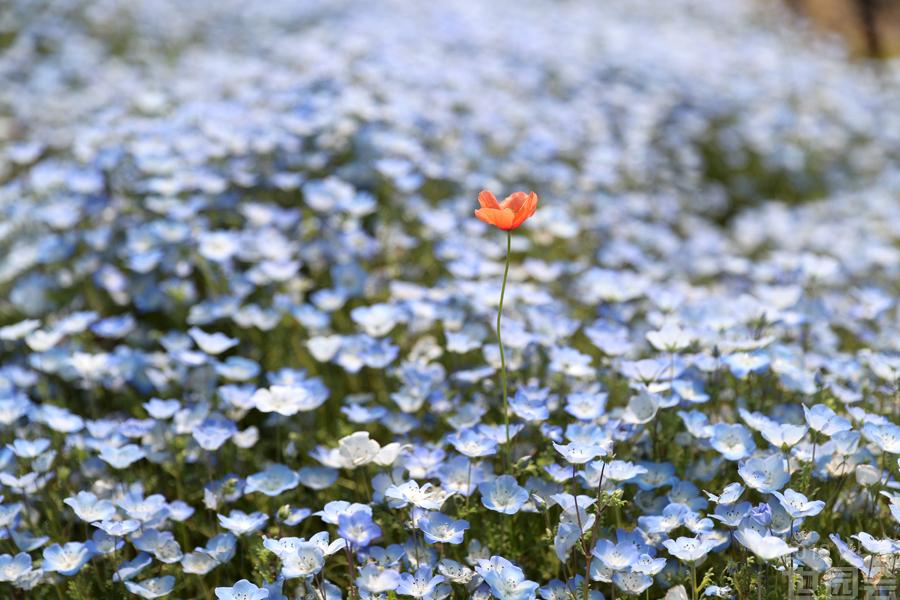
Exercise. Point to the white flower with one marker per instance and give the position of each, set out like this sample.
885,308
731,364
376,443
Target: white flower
767,547
357,449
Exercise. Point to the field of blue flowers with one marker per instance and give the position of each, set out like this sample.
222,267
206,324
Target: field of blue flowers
256,343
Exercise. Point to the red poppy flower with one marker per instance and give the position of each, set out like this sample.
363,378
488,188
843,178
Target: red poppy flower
510,213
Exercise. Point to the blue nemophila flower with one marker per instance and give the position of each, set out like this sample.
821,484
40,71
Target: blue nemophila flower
13,408
632,582
29,483
766,474
155,587
642,408
219,550
67,559
579,453
212,343
197,562
389,556
673,516
610,338
766,547
848,555
614,470
304,560
317,478
685,492
586,406
14,567
529,406
377,580
274,480
742,364
426,496
162,409
287,400
689,550
731,515
671,338
876,546
118,528
657,475
797,505
690,390
570,361
503,495
568,503
122,457
131,568
506,580
616,557
783,435
356,412
357,449
332,511
101,542
564,590
358,528
376,320
730,494
213,431
824,420
161,544
439,528
422,584
567,535
472,443
648,565
29,448
498,432
885,436
734,442
237,368
716,591
146,510
114,327
89,508
240,523
25,541
292,516
242,590
761,514
460,475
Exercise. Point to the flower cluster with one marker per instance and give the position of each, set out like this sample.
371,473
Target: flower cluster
251,343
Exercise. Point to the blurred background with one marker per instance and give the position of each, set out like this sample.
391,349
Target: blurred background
870,27
722,104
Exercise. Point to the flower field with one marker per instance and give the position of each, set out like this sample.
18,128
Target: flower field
567,300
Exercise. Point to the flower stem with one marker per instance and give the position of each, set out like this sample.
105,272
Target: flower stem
500,343
694,581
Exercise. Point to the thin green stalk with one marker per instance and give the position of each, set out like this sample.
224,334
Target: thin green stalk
468,482
584,549
694,581
500,343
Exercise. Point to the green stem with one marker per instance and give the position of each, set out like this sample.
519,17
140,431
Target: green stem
468,482
694,581
500,342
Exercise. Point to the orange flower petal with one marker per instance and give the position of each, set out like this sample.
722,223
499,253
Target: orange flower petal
498,217
487,200
509,214
533,202
485,214
514,201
